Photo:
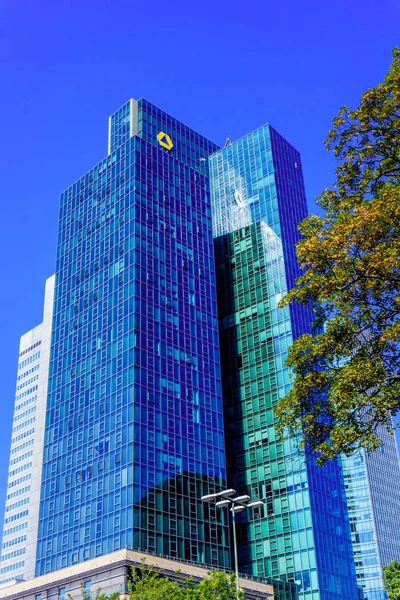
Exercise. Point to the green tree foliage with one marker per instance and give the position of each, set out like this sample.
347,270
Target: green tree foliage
391,577
217,586
346,379
148,584
158,588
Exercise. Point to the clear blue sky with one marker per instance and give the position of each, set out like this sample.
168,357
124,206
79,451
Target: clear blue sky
224,68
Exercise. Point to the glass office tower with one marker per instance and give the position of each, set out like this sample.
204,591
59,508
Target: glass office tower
258,199
373,500
134,429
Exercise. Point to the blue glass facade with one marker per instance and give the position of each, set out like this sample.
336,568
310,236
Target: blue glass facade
383,468
373,500
365,548
258,199
134,429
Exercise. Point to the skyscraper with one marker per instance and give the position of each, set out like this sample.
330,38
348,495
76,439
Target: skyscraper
134,428
26,453
373,500
258,199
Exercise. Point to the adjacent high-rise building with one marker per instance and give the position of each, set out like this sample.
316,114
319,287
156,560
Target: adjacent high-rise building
373,500
18,551
258,199
127,429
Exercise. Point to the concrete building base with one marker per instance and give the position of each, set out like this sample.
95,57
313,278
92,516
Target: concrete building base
109,574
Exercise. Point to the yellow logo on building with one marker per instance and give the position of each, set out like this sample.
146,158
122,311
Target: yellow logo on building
164,140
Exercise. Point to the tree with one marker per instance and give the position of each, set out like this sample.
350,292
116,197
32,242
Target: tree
146,583
391,577
217,586
346,378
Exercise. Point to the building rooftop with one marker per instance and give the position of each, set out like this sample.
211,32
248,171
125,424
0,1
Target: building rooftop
108,573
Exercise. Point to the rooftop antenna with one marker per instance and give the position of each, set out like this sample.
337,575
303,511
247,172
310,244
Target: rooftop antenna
228,142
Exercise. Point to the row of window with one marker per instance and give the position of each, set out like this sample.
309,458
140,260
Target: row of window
23,394
62,592
25,383
30,348
14,461
28,372
13,567
18,407
24,414
22,446
14,541
19,480
19,492
29,360
13,554
21,436
20,515
14,529
18,504
17,577
24,424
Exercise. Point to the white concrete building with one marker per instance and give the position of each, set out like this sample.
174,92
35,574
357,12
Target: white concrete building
26,452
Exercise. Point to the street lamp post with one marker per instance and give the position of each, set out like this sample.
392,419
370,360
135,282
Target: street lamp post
236,505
